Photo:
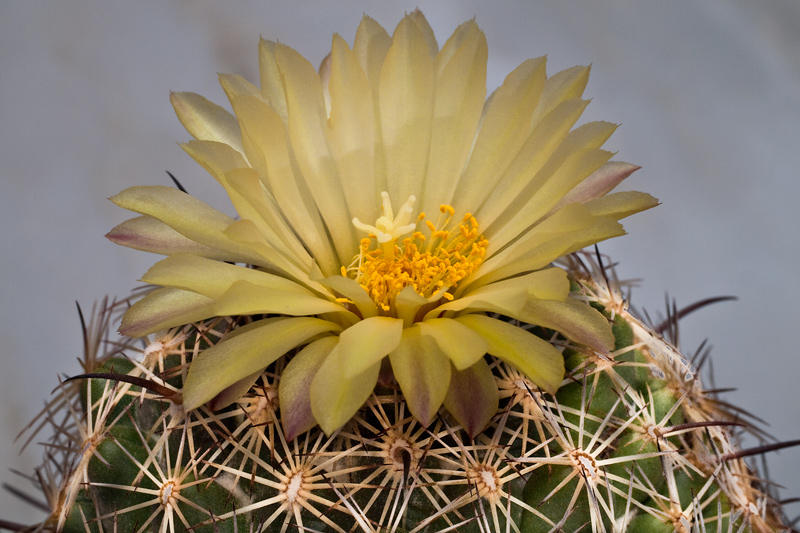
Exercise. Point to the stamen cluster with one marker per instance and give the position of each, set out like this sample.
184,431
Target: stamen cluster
431,264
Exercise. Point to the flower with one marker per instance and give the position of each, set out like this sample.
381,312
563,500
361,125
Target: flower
491,193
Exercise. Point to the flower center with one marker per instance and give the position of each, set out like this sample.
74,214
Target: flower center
432,262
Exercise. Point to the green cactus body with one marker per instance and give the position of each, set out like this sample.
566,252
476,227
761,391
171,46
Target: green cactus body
631,442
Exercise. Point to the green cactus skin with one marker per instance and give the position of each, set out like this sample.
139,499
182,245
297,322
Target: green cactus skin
631,442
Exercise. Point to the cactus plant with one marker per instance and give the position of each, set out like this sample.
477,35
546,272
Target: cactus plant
481,375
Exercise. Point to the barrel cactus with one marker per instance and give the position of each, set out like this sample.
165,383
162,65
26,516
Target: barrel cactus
327,362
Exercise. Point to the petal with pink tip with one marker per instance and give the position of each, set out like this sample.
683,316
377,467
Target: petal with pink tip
573,318
165,308
472,397
293,390
423,372
245,351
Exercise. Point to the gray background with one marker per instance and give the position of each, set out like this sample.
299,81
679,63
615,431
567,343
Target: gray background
707,92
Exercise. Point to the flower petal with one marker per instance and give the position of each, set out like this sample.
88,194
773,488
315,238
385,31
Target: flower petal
621,204
506,299
458,102
350,289
569,229
246,298
293,390
165,308
351,131
406,92
367,342
425,30
206,121
248,349
458,342
534,357
408,303
307,132
568,84
151,235
187,215
271,83
423,372
579,322
599,182
212,278
336,395
543,192
472,397
233,392
269,150
531,158
504,127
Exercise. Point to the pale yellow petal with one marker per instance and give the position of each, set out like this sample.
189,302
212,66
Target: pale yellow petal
206,121
236,85
458,103
247,298
165,308
246,234
151,235
530,208
234,173
547,284
575,319
462,345
425,30
571,228
505,299
371,45
621,204
350,289
566,85
270,154
351,131
260,207
216,158
211,278
406,93
520,179
367,342
335,394
408,304
307,133
271,83
504,127
534,357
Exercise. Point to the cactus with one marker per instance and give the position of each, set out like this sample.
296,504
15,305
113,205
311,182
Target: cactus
631,442
480,375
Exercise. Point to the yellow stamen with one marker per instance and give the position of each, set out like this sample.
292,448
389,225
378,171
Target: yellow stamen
432,268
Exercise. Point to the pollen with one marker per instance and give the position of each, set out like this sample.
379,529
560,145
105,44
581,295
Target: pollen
432,261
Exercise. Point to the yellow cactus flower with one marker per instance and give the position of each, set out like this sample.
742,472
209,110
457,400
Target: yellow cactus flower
491,192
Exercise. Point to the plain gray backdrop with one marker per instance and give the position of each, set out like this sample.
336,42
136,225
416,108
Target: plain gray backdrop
707,94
